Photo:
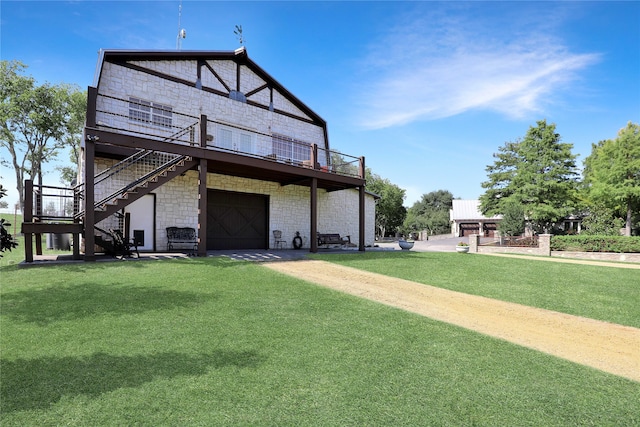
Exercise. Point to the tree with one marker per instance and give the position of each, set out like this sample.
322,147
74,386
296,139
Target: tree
612,173
390,212
513,220
7,241
72,137
538,172
601,221
33,121
430,213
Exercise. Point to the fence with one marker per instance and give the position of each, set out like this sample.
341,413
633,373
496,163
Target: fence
537,245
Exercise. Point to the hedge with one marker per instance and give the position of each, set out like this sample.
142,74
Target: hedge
578,243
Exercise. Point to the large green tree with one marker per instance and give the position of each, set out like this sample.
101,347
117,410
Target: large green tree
390,212
72,137
612,173
430,213
537,172
34,121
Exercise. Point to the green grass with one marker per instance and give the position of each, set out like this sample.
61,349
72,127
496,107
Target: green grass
602,293
220,342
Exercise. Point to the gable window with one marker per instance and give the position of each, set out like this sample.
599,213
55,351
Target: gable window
150,112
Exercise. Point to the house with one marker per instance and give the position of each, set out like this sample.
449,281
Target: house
466,219
208,140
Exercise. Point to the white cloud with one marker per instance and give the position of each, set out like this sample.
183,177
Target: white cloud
439,66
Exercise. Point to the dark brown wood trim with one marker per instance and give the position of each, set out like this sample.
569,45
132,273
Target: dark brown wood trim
314,215
28,217
361,218
46,227
285,113
238,66
256,90
89,199
202,208
155,73
222,82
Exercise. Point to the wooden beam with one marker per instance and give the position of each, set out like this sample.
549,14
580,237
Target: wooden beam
45,227
202,192
28,217
314,215
89,199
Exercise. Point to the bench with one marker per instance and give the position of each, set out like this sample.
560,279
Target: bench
333,239
182,236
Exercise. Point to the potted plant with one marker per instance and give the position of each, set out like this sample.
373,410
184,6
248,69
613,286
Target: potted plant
407,244
462,248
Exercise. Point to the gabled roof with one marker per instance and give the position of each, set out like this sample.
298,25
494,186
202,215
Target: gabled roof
468,210
238,56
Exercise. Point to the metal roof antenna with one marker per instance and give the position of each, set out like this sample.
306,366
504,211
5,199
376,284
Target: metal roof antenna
182,33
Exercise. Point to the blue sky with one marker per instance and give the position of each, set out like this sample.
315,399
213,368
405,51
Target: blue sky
426,91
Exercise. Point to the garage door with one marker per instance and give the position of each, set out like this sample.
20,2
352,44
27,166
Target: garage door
237,220
490,229
469,229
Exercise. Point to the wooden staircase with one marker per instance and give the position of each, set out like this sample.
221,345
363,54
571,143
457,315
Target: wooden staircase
136,190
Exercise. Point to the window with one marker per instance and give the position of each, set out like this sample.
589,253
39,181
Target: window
235,139
290,149
150,112
225,139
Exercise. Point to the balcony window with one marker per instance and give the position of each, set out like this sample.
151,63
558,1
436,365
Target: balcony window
290,149
150,112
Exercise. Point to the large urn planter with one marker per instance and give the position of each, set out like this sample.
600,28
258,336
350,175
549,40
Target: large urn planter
462,249
406,244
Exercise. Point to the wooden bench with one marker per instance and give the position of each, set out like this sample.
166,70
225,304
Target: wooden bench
333,239
182,236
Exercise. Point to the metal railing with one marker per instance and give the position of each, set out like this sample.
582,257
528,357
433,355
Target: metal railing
513,242
53,204
120,115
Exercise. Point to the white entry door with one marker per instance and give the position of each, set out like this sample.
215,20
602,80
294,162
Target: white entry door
143,221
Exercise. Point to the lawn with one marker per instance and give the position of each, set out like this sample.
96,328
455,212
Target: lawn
221,342
609,294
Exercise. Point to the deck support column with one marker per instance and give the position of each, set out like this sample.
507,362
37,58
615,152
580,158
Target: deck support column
202,192
28,217
362,209
89,181
314,216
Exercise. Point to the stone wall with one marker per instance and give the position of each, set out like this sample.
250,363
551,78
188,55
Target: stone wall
289,207
544,249
121,82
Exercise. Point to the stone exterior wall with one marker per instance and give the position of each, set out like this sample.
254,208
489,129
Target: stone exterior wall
177,201
289,207
121,82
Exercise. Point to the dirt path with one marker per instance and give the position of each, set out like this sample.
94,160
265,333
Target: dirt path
606,346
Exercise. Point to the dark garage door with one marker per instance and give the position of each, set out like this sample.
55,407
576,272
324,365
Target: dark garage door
469,229
237,220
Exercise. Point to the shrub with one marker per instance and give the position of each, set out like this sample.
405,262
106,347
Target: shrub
585,243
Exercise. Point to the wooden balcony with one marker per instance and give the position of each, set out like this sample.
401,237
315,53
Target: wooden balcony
116,135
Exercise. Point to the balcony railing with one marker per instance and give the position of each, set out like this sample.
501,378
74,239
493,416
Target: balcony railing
131,116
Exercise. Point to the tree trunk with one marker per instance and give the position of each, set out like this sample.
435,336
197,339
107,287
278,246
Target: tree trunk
627,227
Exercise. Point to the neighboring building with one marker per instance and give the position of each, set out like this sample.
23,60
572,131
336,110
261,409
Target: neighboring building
466,219
209,140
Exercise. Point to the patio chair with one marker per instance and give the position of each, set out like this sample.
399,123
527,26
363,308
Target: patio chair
278,241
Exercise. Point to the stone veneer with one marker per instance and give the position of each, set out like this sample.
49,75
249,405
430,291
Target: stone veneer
176,201
289,207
